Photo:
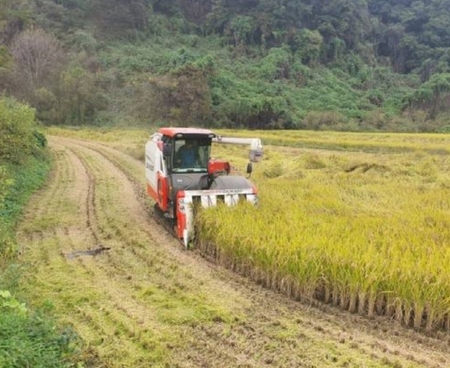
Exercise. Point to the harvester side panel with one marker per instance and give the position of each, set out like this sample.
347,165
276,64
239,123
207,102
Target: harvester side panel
155,172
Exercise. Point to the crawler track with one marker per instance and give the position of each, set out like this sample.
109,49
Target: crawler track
147,302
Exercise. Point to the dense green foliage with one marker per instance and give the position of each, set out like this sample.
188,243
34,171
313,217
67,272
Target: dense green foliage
27,339
20,138
30,340
23,164
340,64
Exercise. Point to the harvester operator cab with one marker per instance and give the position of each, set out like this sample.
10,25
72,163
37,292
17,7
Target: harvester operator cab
189,164
187,155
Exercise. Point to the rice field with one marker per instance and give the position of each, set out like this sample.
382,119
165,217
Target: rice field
357,220
366,228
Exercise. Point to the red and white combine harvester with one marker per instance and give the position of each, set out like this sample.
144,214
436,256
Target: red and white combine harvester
180,172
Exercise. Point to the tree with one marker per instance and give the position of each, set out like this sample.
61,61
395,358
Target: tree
432,95
79,98
241,30
184,97
120,18
38,59
309,46
14,14
196,10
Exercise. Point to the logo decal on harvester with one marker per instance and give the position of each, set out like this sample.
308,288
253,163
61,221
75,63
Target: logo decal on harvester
149,163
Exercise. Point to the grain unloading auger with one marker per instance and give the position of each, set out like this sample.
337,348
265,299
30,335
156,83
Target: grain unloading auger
180,172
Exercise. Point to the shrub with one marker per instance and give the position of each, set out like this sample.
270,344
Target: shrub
316,120
28,340
17,122
444,129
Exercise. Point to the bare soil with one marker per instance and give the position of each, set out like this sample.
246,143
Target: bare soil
138,299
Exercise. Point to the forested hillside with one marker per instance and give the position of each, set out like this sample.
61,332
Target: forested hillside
302,64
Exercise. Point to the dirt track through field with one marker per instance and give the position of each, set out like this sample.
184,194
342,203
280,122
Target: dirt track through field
144,301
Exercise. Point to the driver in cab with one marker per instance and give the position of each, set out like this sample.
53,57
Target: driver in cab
187,155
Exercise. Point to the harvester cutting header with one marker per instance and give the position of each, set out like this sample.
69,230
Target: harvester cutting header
180,171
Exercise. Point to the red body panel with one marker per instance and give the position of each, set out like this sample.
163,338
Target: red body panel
180,214
218,166
152,193
161,196
163,192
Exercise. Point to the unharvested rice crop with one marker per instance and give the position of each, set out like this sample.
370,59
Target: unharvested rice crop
367,230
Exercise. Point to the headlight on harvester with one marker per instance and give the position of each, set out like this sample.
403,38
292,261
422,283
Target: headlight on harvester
181,205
